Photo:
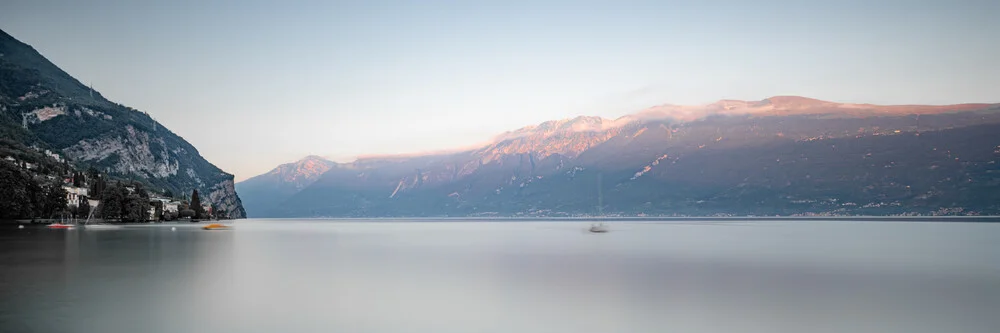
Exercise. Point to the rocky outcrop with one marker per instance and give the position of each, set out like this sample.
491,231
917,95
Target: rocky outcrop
150,156
134,151
43,106
223,195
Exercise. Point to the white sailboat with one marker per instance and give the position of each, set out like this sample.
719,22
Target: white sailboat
98,226
599,227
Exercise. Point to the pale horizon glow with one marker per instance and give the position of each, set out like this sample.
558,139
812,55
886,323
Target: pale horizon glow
254,85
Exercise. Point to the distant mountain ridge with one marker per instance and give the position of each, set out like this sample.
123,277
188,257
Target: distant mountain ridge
672,160
282,182
41,105
303,172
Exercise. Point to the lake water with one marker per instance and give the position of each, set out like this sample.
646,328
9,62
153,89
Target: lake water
396,276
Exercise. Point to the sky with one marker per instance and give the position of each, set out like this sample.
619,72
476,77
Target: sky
253,84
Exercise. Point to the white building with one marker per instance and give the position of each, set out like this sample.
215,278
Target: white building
171,206
53,156
165,202
73,194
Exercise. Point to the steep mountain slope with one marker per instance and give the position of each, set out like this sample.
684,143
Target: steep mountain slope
43,106
782,155
260,192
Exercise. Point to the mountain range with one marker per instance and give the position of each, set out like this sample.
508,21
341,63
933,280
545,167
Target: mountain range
784,155
44,107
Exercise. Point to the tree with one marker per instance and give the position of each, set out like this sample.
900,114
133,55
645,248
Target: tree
55,200
97,185
135,204
199,211
142,202
140,191
77,179
92,174
83,207
99,210
167,193
186,213
111,202
134,211
158,211
38,198
122,196
15,192
47,200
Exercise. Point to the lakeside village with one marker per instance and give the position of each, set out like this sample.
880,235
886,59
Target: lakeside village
37,189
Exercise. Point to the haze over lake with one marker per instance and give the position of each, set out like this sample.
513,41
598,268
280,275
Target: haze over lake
539,276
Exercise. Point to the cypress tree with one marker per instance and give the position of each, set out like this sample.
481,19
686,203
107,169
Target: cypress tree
199,211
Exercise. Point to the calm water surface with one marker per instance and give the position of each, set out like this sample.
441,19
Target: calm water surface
348,276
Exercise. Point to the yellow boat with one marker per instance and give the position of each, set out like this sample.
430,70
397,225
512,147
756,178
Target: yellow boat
216,226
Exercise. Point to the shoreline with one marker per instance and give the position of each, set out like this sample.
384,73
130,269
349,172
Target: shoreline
976,219
101,221
949,219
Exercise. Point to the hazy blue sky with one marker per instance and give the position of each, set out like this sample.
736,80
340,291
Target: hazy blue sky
253,84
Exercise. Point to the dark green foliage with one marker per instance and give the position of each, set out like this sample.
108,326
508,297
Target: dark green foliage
21,195
140,206
64,131
199,211
77,179
136,209
92,174
158,211
119,202
187,213
16,195
21,68
83,207
10,128
54,202
38,197
98,185
112,197
25,154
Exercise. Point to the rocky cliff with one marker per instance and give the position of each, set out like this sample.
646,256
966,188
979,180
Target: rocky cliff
43,106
